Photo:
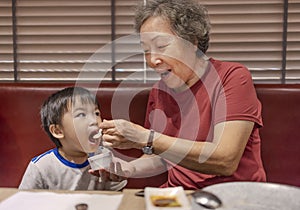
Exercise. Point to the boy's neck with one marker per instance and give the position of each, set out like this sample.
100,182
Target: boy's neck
77,158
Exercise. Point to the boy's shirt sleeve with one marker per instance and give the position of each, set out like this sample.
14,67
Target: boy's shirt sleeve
32,178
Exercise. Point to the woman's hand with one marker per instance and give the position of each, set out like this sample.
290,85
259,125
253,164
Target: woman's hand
123,134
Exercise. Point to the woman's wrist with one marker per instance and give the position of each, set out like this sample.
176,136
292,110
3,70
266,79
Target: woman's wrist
148,147
141,137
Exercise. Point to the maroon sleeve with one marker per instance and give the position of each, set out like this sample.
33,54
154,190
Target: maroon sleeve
149,109
237,97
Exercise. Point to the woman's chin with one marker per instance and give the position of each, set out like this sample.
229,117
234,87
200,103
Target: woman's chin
176,86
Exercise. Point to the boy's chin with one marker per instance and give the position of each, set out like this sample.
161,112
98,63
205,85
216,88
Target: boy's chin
91,148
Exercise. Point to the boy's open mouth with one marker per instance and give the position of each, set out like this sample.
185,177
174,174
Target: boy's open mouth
92,138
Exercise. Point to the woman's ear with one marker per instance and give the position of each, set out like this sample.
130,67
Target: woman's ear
56,131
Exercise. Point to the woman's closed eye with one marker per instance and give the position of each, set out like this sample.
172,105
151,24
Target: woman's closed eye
145,50
159,48
162,46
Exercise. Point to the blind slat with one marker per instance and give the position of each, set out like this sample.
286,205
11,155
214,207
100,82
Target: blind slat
57,39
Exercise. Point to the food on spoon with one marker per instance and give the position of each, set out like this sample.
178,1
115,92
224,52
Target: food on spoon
164,201
98,135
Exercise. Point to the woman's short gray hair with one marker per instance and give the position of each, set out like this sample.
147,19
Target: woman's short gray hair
188,19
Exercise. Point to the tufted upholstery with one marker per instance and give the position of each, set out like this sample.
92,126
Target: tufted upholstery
21,136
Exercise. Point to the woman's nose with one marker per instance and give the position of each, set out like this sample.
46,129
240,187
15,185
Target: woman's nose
153,59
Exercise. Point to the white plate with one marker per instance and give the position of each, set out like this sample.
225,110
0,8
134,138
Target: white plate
171,191
254,196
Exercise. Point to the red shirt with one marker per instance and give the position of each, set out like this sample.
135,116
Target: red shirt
224,93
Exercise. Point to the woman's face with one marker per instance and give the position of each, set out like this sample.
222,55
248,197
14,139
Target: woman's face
170,56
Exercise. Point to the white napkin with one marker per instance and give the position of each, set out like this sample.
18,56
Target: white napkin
60,201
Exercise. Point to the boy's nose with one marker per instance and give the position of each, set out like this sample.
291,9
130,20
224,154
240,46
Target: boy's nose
93,121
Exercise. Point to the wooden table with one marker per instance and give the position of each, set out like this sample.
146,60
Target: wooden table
129,201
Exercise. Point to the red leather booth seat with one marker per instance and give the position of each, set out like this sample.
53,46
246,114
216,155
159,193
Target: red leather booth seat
281,132
22,138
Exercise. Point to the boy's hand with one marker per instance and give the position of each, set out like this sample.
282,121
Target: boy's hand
119,170
115,173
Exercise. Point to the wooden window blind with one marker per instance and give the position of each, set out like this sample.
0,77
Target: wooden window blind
293,43
6,41
249,32
63,40
56,37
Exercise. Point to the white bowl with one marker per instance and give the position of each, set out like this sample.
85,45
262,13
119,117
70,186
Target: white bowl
254,196
101,161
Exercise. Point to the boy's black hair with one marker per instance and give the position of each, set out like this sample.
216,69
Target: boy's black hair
57,104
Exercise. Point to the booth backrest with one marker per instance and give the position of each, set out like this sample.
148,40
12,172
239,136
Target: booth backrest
22,138
280,134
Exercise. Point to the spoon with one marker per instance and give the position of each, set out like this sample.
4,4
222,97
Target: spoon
206,199
98,135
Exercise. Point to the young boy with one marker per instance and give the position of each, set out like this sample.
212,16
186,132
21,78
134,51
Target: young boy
70,117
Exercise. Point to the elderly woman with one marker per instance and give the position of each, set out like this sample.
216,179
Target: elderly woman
203,116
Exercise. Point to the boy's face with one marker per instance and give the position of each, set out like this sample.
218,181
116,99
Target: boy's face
79,125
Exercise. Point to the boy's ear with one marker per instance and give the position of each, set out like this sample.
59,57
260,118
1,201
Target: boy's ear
56,131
